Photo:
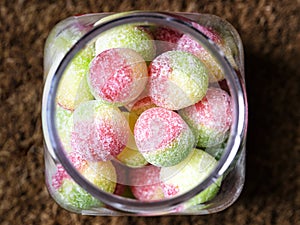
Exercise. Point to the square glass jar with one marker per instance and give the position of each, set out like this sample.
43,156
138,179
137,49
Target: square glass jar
94,184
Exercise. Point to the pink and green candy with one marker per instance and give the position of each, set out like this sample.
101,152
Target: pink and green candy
177,80
163,137
211,118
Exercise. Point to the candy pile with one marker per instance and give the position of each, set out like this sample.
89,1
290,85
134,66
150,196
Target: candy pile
137,110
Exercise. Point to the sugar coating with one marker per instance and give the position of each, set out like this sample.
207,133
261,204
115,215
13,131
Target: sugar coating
117,75
177,79
73,88
162,136
145,183
192,172
211,118
100,174
100,131
127,36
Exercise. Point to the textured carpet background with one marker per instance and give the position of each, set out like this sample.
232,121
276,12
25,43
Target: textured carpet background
271,36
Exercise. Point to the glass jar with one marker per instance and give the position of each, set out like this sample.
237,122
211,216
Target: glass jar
209,174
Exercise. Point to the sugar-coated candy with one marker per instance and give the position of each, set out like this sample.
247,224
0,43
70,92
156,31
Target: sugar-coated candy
100,131
73,88
75,196
210,118
217,150
117,75
189,44
177,79
191,172
127,36
101,174
162,136
145,183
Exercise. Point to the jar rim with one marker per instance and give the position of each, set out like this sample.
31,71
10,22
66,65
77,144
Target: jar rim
237,130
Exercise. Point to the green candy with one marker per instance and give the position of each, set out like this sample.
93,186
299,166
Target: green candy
74,195
101,174
127,36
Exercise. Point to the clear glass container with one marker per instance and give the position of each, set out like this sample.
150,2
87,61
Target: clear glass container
116,184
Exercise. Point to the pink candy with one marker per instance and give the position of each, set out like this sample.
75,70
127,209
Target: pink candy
117,75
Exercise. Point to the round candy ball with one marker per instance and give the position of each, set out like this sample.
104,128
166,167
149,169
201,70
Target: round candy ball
145,183
162,136
127,36
100,131
101,174
117,75
211,118
73,88
177,79
190,173
189,44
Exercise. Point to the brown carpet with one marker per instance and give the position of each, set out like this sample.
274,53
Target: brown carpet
271,36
